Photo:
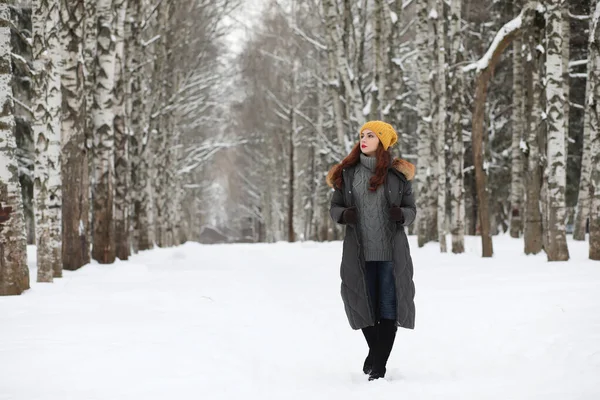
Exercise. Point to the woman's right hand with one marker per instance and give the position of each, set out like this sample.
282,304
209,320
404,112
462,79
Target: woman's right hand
350,215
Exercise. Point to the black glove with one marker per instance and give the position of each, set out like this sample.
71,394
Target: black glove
396,214
350,216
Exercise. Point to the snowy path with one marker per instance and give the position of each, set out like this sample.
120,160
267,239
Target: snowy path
266,322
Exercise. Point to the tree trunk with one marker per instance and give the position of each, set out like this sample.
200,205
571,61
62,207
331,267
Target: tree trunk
432,190
121,206
556,157
351,91
140,167
441,127
585,193
565,54
377,91
457,176
480,175
394,74
532,232
162,133
103,115
14,273
485,68
593,108
424,125
75,164
333,79
47,136
516,183
89,55
291,182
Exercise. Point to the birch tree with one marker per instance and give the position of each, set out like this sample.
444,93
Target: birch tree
593,108
395,87
345,71
556,157
14,273
457,204
159,130
47,137
103,116
440,49
532,230
518,124
424,174
333,78
585,193
137,106
121,132
75,163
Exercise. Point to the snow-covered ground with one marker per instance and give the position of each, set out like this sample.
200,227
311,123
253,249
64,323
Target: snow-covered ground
267,322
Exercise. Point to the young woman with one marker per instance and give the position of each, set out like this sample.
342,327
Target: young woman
373,198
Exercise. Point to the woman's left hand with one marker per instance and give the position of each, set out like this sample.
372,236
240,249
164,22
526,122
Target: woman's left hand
396,214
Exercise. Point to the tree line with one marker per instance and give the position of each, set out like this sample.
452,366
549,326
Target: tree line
105,109
494,101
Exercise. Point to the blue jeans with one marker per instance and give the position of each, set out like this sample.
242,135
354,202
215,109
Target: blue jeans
382,288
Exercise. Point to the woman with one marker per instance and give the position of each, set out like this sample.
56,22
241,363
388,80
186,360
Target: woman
373,197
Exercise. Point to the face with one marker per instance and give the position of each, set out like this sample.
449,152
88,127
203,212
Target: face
368,142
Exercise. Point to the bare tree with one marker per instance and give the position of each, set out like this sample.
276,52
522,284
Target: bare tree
103,249
75,163
139,139
121,132
457,155
556,155
440,145
424,175
14,273
47,137
532,230
593,108
518,125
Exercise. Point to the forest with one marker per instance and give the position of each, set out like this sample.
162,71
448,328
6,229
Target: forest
131,124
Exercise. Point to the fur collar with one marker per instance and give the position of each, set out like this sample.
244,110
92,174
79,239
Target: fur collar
399,165
404,167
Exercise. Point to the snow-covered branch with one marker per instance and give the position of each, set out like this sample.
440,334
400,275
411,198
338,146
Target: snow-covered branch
509,29
310,40
504,37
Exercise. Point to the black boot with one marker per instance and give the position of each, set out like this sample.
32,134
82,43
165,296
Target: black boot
370,333
383,348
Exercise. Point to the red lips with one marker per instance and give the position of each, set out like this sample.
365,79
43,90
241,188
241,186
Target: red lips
363,146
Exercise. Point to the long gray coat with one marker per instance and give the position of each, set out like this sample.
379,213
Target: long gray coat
355,293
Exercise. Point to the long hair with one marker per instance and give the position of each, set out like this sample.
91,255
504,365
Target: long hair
334,177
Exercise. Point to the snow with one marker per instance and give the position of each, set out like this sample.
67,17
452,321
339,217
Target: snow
367,108
540,8
393,17
433,14
265,321
523,146
507,29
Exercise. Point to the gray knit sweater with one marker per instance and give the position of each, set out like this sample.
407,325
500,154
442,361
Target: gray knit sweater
373,215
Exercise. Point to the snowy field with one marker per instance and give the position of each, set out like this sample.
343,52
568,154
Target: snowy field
246,322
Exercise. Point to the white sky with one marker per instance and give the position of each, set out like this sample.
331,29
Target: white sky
243,20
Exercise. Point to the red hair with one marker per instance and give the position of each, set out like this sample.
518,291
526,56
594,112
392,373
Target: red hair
334,177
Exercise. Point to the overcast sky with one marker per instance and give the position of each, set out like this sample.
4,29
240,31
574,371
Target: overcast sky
243,20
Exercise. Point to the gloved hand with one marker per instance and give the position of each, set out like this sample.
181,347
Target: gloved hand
396,214
350,215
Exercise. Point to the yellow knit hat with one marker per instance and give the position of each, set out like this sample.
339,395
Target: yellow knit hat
384,131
